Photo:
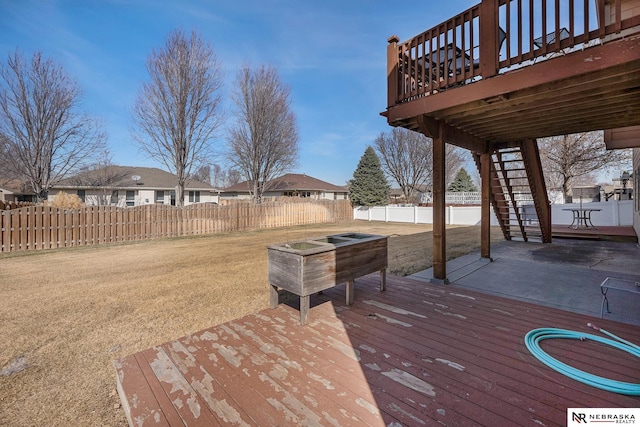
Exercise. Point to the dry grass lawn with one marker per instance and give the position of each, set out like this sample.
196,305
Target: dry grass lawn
67,314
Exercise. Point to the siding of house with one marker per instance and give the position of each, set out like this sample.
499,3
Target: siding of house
142,196
6,195
636,190
290,185
315,195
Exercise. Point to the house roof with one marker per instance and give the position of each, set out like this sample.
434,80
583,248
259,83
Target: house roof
13,186
291,182
122,177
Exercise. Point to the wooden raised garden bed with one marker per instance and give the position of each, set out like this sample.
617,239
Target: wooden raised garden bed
308,266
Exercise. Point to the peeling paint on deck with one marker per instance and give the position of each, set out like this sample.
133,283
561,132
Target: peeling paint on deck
408,380
454,365
368,406
235,374
393,309
166,372
393,321
462,296
395,408
502,312
367,348
446,313
325,382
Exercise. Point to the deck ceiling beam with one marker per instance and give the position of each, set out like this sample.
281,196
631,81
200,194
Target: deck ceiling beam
548,98
550,121
431,128
606,117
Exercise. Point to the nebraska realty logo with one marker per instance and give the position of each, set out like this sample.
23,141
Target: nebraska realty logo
583,416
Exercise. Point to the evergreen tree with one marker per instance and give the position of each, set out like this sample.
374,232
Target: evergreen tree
462,183
369,186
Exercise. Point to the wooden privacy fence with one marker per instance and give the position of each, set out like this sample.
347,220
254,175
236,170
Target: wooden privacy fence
45,227
13,205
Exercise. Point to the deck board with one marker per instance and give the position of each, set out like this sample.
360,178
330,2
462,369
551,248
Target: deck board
417,354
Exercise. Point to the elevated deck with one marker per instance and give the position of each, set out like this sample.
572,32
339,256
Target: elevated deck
416,354
503,73
506,71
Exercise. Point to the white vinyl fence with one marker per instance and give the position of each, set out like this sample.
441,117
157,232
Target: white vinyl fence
612,213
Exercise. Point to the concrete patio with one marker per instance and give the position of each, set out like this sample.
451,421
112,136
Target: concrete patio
565,274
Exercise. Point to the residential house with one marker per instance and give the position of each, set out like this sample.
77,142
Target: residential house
13,190
132,186
585,194
396,196
289,185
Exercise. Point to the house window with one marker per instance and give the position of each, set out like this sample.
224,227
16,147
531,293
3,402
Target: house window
172,196
160,197
131,198
114,197
305,194
81,194
194,197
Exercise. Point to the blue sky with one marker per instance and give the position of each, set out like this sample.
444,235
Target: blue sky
332,54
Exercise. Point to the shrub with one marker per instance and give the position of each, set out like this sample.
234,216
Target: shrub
66,201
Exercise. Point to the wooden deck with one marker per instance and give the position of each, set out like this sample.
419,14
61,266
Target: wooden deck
616,234
417,354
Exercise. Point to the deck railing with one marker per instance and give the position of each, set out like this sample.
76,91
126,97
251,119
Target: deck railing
495,36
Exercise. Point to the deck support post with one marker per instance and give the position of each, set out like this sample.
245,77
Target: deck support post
489,36
485,210
392,70
439,218
438,131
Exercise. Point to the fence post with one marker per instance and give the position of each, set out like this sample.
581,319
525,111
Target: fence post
616,213
415,214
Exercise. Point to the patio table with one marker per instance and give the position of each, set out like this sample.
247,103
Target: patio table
581,217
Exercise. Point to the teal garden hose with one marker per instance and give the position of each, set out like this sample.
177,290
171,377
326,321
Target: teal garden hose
532,341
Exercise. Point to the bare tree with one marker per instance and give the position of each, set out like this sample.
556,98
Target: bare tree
264,141
44,135
567,159
202,174
222,177
102,175
177,113
6,171
406,156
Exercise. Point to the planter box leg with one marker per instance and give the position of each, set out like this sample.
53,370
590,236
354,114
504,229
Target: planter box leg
350,288
273,296
304,310
383,279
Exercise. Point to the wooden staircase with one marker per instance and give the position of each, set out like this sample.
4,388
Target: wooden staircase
519,199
